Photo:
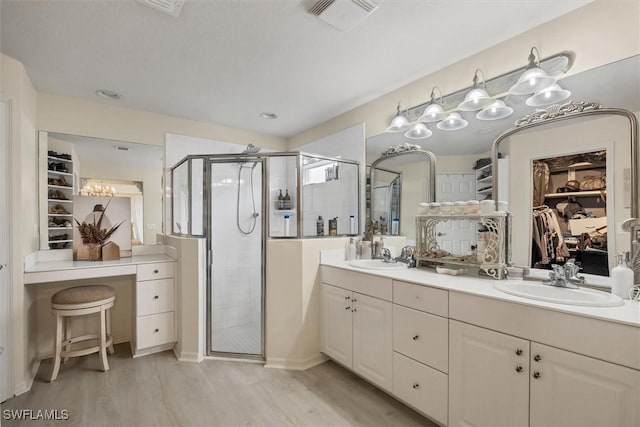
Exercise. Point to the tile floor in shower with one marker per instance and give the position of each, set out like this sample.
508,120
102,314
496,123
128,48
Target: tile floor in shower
245,338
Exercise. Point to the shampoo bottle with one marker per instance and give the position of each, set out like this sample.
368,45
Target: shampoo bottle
287,222
622,277
320,226
352,224
351,250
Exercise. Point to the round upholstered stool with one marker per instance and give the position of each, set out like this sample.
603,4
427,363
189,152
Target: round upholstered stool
81,301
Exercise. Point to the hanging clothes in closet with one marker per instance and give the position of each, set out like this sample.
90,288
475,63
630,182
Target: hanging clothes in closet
548,244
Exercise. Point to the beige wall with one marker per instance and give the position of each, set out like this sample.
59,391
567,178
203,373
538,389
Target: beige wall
102,120
599,33
16,86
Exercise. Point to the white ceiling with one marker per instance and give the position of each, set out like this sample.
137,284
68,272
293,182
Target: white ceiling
226,61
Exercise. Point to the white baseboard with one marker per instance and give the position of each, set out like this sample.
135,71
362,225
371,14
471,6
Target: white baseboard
189,356
296,365
24,386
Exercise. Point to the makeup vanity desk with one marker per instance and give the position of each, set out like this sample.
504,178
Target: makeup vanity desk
154,268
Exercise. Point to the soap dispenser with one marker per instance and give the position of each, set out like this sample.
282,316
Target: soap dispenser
351,250
622,277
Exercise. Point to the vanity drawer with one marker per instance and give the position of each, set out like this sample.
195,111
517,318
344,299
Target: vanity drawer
160,270
421,336
154,296
155,329
366,284
421,387
424,298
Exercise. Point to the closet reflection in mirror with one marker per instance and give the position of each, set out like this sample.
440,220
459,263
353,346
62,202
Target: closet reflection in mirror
133,170
568,192
569,214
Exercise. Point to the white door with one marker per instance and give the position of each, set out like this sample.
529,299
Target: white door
336,324
569,389
488,378
5,282
373,339
456,236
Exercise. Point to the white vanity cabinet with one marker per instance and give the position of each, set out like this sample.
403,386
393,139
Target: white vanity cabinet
155,319
569,389
496,379
488,377
357,328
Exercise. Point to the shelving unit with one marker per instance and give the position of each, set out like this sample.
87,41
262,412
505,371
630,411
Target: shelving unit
484,181
493,260
60,193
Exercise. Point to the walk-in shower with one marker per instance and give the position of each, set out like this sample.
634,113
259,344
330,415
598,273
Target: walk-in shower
231,201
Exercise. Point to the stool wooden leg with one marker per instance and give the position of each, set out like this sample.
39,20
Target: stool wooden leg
103,340
57,348
67,336
109,333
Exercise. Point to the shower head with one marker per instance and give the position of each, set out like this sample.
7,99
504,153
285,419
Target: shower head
251,149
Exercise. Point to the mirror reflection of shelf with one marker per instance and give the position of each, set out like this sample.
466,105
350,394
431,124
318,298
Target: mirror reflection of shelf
59,173
593,193
60,241
59,201
57,214
485,191
60,228
59,159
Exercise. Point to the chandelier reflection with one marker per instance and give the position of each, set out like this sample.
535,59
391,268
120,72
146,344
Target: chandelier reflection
100,190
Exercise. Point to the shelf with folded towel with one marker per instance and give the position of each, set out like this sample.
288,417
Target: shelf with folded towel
590,193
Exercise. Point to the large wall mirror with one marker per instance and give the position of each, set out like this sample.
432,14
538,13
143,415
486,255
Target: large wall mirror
77,165
590,152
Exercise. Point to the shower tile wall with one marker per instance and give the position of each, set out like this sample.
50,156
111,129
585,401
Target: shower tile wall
338,198
236,258
282,176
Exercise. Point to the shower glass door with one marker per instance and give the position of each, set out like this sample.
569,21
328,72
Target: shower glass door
236,244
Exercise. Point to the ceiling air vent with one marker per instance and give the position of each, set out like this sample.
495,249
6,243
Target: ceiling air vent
171,7
343,14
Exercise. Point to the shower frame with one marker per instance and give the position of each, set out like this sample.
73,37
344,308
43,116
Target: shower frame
263,157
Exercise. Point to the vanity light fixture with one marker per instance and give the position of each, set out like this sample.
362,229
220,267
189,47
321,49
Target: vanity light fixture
534,79
400,123
478,97
453,122
495,111
434,111
418,131
551,95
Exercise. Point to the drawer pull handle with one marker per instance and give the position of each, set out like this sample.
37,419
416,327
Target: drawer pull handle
347,308
416,386
155,331
537,375
416,337
354,300
519,369
156,271
537,357
347,298
156,297
354,310
519,352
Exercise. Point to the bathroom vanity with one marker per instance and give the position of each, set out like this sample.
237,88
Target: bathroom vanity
463,353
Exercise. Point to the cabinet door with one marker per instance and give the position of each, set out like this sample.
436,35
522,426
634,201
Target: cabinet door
568,389
372,339
336,324
488,378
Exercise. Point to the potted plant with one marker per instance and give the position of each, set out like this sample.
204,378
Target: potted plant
94,236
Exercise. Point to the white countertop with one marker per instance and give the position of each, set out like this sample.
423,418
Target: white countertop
73,265
628,314
58,266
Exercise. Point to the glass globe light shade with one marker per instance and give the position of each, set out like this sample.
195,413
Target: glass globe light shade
495,111
433,113
453,122
476,99
551,95
534,79
418,131
399,124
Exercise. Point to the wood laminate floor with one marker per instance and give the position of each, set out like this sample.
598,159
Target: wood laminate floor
158,390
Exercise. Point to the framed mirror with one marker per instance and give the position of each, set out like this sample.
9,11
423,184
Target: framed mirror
462,151
77,165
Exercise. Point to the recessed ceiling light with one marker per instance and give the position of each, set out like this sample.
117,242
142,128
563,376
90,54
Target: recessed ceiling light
109,94
268,116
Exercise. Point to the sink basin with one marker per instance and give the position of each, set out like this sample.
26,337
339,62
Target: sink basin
376,264
539,291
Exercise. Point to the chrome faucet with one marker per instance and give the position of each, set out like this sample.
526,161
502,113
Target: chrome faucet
406,256
565,276
385,254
